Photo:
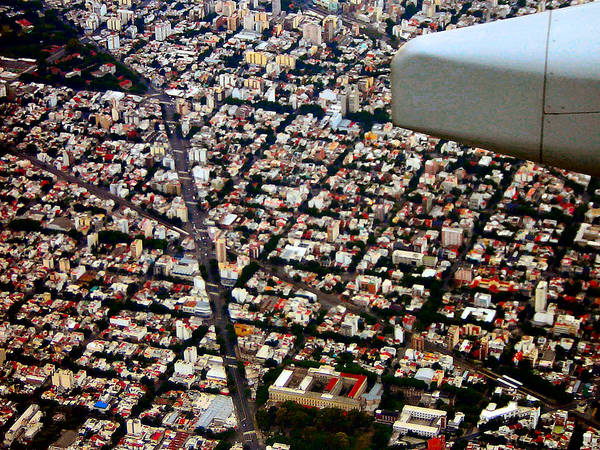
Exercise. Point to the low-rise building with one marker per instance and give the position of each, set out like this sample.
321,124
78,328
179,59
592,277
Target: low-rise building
321,387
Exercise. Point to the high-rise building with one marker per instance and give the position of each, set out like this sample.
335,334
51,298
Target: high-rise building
427,201
233,22
229,8
329,24
162,30
99,8
63,379
484,349
137,247
380,212
255,250
276,7
182,331
541,296
453,336
452,237
417,342
312,33
353,100
113,42
190,355
64,265
248,22
123,225
431,167
114,23
210,101
343,99
287,61
221,250
182,107
258,58
333,231
125,15
428,8
134,426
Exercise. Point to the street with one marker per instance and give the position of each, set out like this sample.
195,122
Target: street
204,251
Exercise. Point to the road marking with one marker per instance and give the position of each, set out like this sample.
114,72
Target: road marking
213,285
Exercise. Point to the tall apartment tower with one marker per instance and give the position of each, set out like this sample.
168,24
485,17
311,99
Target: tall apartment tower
484,350
162,30
221,250
417,342
452,337
541,296
353,100
329,28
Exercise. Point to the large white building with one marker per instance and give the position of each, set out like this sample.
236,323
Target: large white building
321,387
425,422
28,424
512,410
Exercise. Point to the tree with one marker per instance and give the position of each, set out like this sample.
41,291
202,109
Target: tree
223,445
113,237
311,108
73,44
389,26
341,440
25,225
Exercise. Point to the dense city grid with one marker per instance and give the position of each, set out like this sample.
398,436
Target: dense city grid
214,237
